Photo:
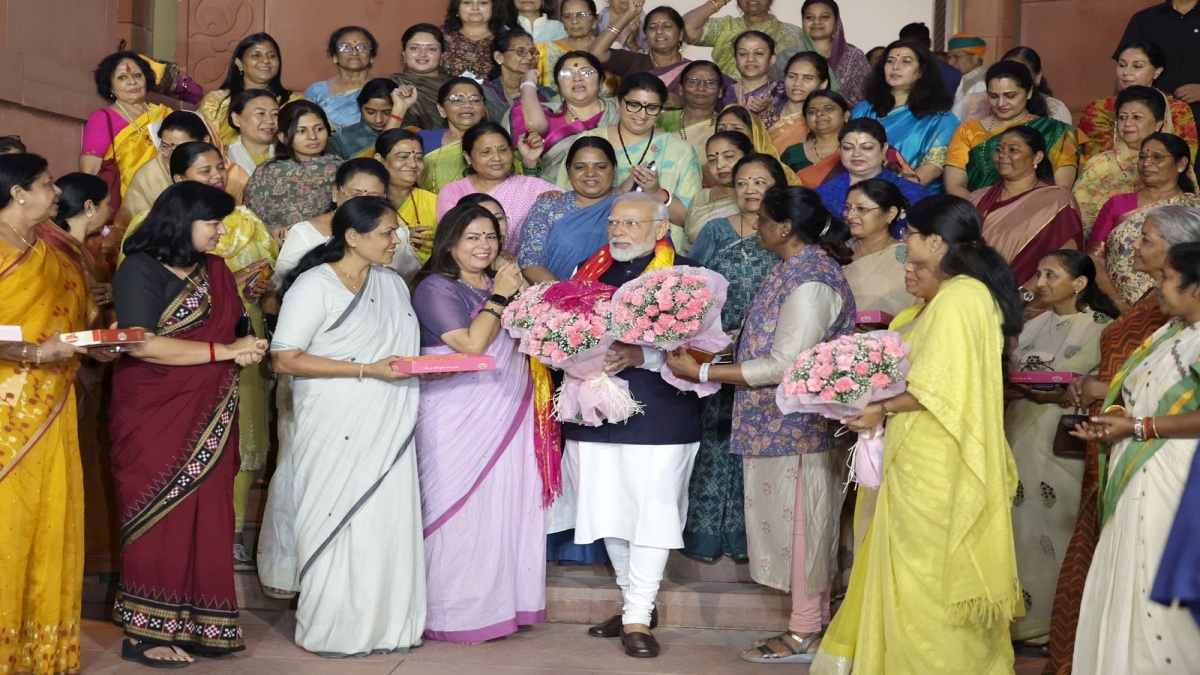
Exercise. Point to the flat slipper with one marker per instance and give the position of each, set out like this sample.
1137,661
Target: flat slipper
137,654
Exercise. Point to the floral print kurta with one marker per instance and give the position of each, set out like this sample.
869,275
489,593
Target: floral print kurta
284,192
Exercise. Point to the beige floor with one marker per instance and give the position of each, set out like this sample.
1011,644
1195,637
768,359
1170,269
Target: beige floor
547,648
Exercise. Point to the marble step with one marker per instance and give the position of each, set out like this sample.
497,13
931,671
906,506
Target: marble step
679,568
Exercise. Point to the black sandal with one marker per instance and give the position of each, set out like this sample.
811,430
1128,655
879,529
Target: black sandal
137,654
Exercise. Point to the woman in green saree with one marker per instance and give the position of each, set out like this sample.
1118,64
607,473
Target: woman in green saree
461,104
1014,101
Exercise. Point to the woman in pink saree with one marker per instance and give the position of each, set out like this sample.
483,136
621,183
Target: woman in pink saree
481,494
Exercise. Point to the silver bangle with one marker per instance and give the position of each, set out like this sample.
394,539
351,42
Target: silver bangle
361,368
530,84
704,371
1139,433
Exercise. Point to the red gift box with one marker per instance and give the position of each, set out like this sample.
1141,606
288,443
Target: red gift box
118,336
870,318
444,363
1040,377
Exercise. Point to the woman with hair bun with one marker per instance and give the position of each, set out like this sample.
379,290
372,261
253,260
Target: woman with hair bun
875,212
934,585
1066,338
791,470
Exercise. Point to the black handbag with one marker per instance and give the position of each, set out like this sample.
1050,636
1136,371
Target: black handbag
1067,446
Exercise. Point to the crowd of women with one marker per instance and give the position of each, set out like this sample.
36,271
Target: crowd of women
281,251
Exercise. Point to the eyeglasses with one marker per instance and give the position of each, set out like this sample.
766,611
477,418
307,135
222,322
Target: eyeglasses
524,51
859,210
695,82
830,110
629,224
1153,158
652,109
583,73
459,100
356,49
582,16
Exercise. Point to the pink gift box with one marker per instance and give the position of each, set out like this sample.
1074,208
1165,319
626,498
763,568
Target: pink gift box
11,334
864,318
444,363
1041,377
117,336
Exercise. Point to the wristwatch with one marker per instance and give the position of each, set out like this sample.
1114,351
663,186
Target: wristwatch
498,300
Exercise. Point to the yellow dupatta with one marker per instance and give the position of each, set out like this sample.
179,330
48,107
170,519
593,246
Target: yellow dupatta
134,145
420,210
45,292
760,138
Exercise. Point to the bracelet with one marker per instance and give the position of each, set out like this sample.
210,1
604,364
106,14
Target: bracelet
716,4
704,371
24,353
670,197
883,406
212,352
361,368
614,30
39,355
491,311
1139,433
527,83
398,118
1153,429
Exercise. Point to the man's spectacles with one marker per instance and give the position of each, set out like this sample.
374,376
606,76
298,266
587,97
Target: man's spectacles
629,224
651,109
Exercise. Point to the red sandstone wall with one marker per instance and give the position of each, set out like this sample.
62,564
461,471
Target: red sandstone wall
214,27
1075,39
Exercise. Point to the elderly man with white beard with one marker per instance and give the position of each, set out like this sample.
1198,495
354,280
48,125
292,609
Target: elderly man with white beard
631,478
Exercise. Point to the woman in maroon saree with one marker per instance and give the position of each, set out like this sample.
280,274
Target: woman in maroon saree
175,433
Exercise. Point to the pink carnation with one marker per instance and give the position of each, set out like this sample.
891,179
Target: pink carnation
862,368
875,357
880,380
828,394
844,384
814,385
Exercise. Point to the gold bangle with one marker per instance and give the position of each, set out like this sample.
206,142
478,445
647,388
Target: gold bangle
716,4
1113,409
1153,429
614,30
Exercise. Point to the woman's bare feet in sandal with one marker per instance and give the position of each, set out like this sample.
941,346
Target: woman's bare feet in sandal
155,656
787,647
169,654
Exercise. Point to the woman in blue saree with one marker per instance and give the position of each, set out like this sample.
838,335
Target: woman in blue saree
906,95
561,232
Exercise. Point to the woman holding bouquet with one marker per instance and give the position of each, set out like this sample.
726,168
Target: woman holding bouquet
934,585
790,470
716,523
1067,338
481,495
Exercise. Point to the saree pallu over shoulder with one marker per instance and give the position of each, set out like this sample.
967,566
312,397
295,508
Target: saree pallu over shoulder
44,292
920,140
1064,148
134,145
206,391
1025,228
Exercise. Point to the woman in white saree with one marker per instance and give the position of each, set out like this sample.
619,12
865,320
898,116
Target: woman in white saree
1150,439
345,318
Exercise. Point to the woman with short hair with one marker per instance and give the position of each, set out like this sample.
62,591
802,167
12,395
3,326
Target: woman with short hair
353,50
174,428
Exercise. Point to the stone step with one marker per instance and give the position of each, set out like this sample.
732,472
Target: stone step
679,568
691,604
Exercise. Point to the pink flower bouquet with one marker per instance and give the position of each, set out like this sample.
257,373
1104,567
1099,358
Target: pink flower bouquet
565,326
671,308
840,378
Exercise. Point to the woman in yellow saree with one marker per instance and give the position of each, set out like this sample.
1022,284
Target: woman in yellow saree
41,481
934,586
248,249
123,131
256,63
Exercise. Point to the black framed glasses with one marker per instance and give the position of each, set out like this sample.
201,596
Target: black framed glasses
651,109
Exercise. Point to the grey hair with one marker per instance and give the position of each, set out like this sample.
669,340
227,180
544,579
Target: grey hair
1176,224
660,209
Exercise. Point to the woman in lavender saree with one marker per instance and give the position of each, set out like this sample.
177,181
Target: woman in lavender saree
345,318
481,495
